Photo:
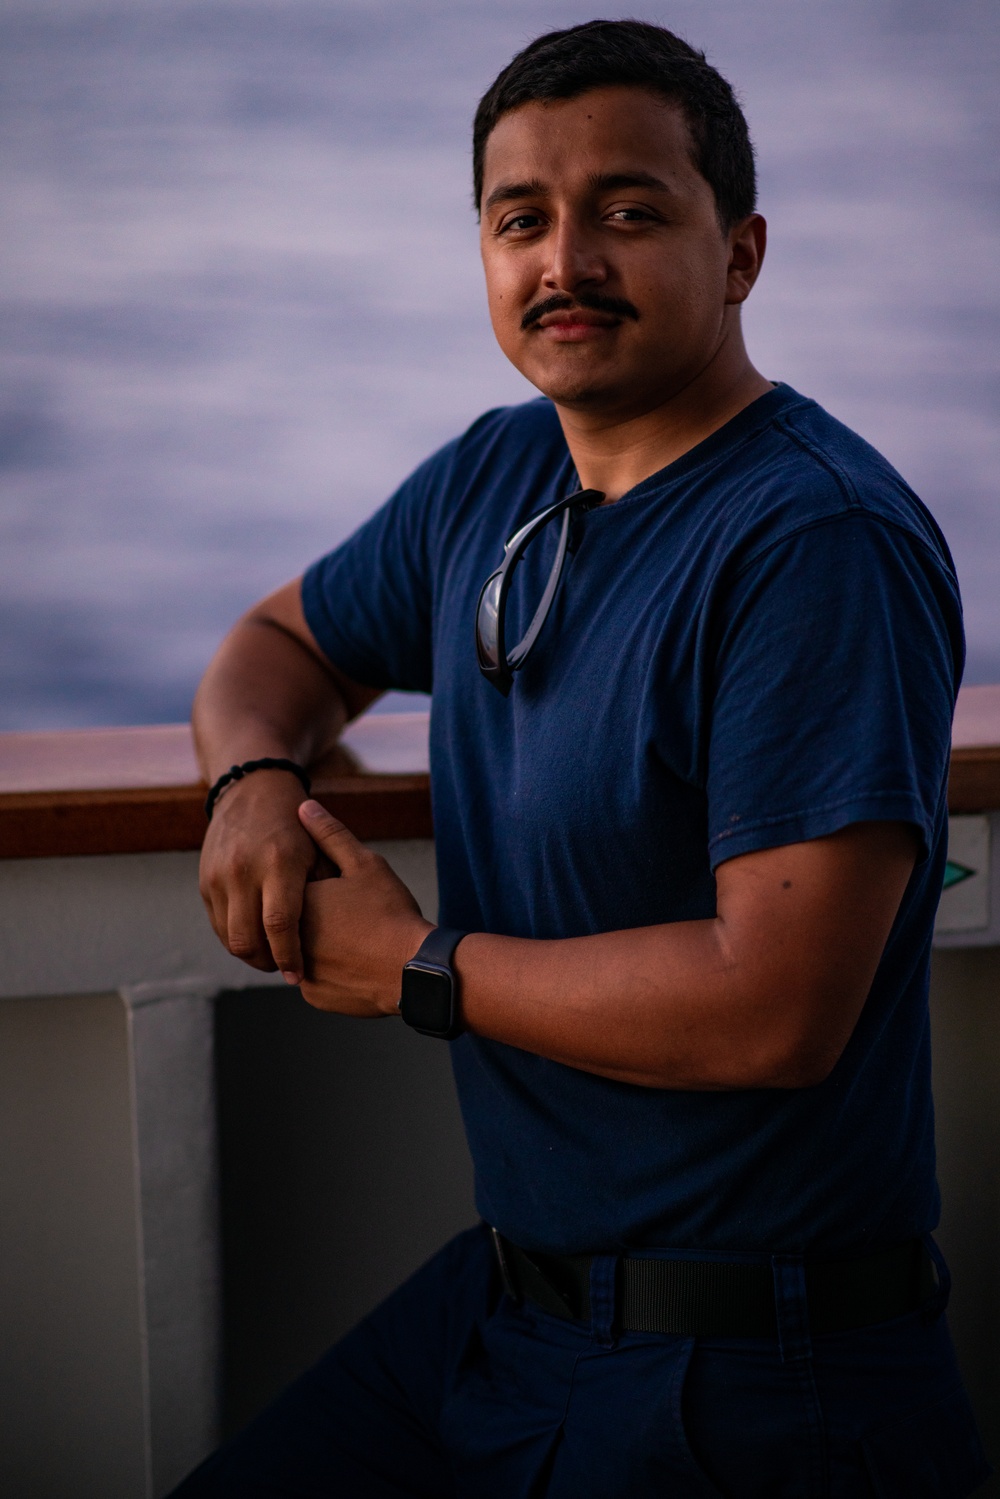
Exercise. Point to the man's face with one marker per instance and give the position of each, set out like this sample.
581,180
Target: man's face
610,282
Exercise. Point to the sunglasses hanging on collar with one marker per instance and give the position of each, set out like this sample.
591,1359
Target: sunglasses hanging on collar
496,663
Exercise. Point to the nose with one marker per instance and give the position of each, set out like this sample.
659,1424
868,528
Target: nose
574,259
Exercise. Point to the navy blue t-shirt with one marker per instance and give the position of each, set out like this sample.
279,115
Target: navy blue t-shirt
759,644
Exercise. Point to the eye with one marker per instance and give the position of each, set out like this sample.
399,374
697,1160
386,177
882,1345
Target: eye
521,223
632,215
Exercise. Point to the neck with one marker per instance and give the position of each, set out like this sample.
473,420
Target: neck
617,447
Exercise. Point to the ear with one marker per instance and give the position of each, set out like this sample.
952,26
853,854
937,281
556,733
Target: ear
747,245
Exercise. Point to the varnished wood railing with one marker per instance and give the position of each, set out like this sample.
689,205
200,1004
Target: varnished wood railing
138,790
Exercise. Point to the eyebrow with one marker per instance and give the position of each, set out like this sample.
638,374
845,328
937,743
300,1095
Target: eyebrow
608,181
508,192
534,187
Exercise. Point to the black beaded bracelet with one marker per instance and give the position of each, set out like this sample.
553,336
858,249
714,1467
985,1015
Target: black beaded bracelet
237,772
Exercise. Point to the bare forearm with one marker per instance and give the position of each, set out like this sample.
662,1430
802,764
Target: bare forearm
268,692
264,694
765,995
668,1007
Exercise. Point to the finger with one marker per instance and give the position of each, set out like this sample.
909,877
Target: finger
213,896
282,912
322,869
336,841
245,934
217,905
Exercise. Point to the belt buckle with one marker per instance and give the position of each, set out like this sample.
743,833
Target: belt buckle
504,1264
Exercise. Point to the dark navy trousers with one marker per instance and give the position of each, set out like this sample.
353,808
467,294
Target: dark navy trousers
448,1389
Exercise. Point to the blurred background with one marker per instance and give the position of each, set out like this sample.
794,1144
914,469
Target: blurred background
240,293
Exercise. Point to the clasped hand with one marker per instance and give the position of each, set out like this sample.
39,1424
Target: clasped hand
344,939
358,930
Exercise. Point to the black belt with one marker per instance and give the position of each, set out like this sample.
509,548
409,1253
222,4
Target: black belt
708,1298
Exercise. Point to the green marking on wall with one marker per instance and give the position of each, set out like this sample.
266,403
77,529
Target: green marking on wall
955,873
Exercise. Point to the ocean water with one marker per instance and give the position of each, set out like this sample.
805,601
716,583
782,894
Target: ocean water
240,296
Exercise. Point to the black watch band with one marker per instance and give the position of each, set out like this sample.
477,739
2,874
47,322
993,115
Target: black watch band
429,999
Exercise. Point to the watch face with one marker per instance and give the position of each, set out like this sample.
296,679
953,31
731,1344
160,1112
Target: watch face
426,1002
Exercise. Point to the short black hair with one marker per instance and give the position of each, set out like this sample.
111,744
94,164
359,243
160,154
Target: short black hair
599,54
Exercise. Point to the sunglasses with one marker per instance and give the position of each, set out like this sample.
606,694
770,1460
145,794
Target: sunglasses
496,663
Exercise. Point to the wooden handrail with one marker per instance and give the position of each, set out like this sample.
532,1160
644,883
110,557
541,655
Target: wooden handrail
974,782
138,790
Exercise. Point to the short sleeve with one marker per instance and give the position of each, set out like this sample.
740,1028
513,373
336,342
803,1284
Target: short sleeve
369,602
837,659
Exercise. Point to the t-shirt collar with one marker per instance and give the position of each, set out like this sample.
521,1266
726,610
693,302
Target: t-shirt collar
758,414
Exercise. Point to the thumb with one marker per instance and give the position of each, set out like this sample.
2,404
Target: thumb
336,841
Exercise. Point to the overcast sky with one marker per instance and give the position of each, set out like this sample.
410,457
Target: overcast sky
240,293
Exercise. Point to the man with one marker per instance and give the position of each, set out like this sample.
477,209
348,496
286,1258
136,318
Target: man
689,854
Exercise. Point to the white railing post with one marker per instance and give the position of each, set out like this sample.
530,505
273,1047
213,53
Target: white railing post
171,1059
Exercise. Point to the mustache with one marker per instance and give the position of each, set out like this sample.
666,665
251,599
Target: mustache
594,301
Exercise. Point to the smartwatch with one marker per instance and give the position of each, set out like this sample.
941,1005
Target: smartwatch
429,999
